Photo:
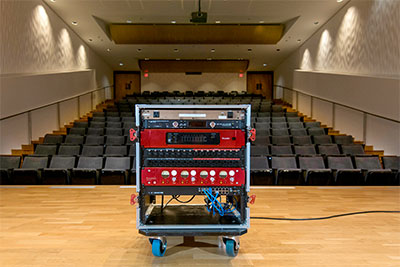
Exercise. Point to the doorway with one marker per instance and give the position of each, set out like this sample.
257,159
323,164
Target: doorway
261,83
126,83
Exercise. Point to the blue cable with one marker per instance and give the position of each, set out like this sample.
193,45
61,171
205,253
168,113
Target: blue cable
214,204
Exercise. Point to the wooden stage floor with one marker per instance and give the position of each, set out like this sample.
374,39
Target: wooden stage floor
95,226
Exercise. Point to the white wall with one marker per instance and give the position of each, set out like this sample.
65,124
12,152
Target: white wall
43,61
206,82
354,60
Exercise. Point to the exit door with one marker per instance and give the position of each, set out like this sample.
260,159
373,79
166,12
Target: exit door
260,83
126,83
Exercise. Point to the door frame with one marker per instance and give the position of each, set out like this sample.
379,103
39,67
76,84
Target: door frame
263,72
127,72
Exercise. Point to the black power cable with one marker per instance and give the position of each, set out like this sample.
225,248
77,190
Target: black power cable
176,197
327,217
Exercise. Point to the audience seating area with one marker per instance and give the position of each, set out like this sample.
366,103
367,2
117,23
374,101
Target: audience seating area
287,150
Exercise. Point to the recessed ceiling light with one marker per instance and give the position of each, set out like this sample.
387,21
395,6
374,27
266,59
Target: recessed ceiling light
146,58
178,59
108,49
261,21
249,50
173,21
298,40
217,21
176,50
265,64
52,1
209,58
212,50
139,50
90,39
129,21
278,49
339,1
74,23
316,22
121,64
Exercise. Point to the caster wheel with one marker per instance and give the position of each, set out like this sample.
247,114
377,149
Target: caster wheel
231,249
158,248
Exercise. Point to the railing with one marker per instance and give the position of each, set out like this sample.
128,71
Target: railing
57,103
334,104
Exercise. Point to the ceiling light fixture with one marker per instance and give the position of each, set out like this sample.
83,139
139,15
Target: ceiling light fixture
339,1
108,49
278,49
298,40
121,64
139,50
74,23
217,21
173,21
209,58
90,39
176,50
261,21
146,58
178,59
265,64
316,22
52,1
249,50
129,21
212,50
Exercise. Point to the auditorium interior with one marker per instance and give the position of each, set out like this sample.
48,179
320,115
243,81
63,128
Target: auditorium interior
319,82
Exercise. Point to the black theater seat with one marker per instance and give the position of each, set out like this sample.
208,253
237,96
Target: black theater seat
81,124
392,163
259,151
296,125
95,131
7,166
45,150
316,131
353,150
322,139
92,151
298,132
53,139
343,139
328,149
69,150
302,140
116,170
280,132
281,140
74,140
59,170
373,172
286,171
281,150
305,150
262,141
30,171
117,151
260,172
77,131
343,171
94,140
312,124
87,170
315,172
115,140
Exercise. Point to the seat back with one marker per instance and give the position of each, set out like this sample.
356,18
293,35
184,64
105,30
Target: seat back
53,139
259,164
95,131
94,140
9,162
391,162
316,131
355,149
298,132
92,151
77,131
259,150
281,140
61,162
116,150
343,139
74,139
302,140
322,139
328,149
281,150
367,163
46,150
115,140
340,163
69,150
35,162
283,162
305,150
90,162
315,162
117,163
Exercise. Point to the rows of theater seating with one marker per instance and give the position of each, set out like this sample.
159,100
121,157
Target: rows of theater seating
67,170
287,149
324,170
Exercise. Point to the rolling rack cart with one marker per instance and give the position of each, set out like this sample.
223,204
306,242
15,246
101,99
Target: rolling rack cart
199,151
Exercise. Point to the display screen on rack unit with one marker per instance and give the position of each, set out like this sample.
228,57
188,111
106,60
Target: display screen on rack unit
193,138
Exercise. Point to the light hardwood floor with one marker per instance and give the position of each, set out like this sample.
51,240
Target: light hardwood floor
44,226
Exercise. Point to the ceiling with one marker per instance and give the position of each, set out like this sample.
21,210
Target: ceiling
302,19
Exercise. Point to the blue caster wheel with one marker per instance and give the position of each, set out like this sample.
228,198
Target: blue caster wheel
158,247
231,248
